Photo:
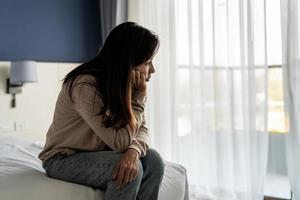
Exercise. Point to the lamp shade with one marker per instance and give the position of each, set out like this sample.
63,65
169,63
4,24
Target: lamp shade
23,71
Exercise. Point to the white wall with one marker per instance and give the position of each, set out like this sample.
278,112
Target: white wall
35,105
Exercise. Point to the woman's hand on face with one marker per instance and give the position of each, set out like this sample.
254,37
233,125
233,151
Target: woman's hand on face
127,169
139,81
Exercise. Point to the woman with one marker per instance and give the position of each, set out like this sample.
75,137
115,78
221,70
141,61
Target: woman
98,136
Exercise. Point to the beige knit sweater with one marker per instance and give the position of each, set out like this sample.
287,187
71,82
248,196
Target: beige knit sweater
76,125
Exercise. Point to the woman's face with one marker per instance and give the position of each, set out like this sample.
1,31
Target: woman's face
146,68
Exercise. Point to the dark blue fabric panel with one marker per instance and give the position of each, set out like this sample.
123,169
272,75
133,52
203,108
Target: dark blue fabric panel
49,30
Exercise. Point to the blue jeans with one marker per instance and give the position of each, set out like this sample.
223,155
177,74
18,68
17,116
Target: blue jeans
95,169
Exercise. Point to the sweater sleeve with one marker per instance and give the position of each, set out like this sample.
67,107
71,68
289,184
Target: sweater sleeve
138,105
141,142
88,104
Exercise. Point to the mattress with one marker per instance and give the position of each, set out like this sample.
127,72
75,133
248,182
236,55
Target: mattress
22,177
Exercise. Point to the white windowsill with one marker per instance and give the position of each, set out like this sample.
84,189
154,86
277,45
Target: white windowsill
277,186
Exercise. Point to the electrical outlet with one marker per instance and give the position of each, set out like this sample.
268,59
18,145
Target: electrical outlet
21,126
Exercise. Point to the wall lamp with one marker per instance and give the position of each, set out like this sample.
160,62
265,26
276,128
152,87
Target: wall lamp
20,72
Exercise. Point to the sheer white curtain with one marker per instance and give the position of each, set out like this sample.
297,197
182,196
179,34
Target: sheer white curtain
158,16
290,13
208,100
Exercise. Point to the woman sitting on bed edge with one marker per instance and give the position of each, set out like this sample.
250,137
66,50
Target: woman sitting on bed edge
98,136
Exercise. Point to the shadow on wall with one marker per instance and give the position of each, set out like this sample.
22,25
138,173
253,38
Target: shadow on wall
4,73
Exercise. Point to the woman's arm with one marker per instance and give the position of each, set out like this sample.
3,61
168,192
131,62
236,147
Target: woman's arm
88,104
141,142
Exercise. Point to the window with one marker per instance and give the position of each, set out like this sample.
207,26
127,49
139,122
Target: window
189,52
276,121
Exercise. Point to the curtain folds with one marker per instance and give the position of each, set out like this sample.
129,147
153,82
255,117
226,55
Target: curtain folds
207,102
290,19
158,16
112,13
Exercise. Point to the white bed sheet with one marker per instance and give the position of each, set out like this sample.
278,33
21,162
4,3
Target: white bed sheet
22,177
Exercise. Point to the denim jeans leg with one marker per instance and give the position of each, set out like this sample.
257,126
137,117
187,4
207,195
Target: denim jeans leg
153,166
129,191
93,169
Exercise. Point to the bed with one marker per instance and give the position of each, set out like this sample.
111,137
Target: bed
22,177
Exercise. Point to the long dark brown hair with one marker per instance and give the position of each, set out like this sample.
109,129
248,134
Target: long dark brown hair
128,45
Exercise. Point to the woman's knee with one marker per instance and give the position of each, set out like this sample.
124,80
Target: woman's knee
155,162
140,170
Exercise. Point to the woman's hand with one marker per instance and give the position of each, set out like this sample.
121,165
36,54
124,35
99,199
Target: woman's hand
139,81
127,169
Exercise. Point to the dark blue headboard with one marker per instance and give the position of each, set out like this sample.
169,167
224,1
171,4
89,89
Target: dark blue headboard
49,30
